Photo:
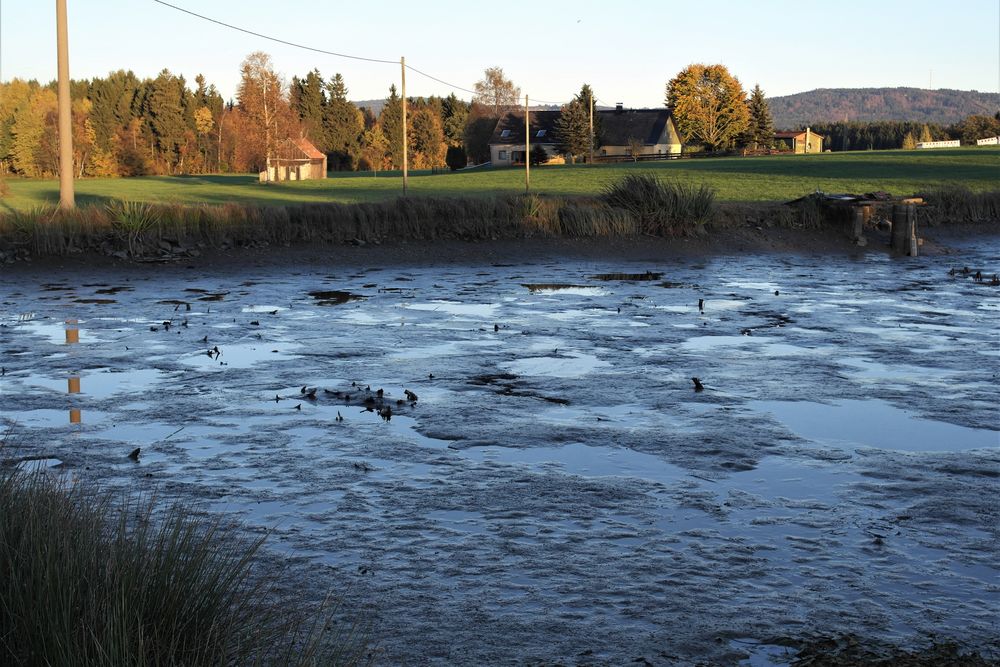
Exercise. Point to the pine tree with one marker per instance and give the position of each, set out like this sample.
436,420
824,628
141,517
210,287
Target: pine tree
909,143
454,116
391,120
572,128
344,126
760,133
308,100
925,134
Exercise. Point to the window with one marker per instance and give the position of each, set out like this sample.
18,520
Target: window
502,155
541,133
505,133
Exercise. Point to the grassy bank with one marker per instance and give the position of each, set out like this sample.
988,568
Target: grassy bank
90,579
772,178
639,204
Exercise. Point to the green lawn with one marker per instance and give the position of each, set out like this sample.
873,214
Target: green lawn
735,179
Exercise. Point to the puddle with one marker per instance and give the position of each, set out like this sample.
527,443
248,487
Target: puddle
482,310
762,654
567,365
241,355
37,465
874,423
101,383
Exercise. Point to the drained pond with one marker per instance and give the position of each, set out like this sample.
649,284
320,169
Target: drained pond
508,463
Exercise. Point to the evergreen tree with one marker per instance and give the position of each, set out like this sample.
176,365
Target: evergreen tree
572,129
760,132
308,100
166,116
454,116
391,120
344,126
426,139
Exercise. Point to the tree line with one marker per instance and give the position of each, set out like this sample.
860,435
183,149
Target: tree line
124,125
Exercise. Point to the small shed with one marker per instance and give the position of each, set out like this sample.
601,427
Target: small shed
800,141
295,160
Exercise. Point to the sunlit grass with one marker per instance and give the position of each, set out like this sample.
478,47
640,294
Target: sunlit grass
773,178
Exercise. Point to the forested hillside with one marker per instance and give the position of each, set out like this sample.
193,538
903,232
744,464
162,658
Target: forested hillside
872,104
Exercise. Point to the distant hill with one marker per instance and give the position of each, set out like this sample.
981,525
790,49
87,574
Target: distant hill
374,105
865,104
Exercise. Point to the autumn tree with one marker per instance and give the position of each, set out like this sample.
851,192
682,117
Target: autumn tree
708,105
760,130
374,148
426,139
925,134
261,96
973,128
496,92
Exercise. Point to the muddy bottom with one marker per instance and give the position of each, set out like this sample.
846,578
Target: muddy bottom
509,463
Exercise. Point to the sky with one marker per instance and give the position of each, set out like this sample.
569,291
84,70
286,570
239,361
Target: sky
626,50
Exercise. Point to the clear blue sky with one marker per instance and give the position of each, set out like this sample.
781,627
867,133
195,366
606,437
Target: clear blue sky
627,50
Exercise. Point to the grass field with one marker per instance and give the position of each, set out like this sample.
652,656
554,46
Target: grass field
773,178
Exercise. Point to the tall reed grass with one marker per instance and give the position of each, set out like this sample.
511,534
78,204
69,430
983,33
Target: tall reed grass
87,580
661,207
955,203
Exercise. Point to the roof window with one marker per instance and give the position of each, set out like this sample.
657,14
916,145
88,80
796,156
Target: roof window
505,133
541,133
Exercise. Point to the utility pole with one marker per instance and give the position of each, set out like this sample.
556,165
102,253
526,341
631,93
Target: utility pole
406,176
66,198
527,146
591,128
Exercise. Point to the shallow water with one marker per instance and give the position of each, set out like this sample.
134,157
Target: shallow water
557,486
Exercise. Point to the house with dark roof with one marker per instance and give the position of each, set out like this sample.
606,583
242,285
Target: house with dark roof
294,160
651,131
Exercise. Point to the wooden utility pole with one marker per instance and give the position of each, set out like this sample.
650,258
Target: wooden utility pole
591,128
66,197
406,176
527,146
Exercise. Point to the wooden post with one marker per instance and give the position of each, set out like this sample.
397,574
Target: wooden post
904,229
591,129
527,146
858,225
66,196
406,176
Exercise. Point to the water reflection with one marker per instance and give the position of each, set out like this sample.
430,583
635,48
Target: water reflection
73,382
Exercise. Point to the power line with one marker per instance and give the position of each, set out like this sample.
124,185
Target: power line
329,53
275,39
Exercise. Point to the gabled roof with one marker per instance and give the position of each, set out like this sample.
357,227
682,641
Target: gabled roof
513,122
308,148
617,127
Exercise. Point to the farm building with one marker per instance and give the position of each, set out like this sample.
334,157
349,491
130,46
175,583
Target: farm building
652,130
803,141
295,160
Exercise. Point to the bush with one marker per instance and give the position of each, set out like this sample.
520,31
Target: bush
456,158
659,206
87,581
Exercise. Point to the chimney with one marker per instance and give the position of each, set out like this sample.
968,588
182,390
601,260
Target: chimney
619,107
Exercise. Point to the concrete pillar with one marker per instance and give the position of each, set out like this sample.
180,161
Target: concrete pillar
857,225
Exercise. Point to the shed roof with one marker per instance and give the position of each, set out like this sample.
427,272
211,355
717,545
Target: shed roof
308,148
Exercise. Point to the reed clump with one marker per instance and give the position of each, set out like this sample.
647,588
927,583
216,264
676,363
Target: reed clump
956,203
88,580
661,207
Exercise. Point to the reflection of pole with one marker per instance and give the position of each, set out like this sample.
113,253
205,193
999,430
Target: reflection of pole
73,382
406,177
66,198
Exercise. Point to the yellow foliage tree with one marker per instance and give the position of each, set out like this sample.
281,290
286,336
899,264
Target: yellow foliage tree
708,105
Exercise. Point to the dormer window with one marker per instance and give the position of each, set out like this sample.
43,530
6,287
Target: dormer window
505,133
541,133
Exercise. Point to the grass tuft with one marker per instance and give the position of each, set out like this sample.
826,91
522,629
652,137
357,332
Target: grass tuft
90,581
661,207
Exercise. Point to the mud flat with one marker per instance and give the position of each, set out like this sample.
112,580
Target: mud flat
547,486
